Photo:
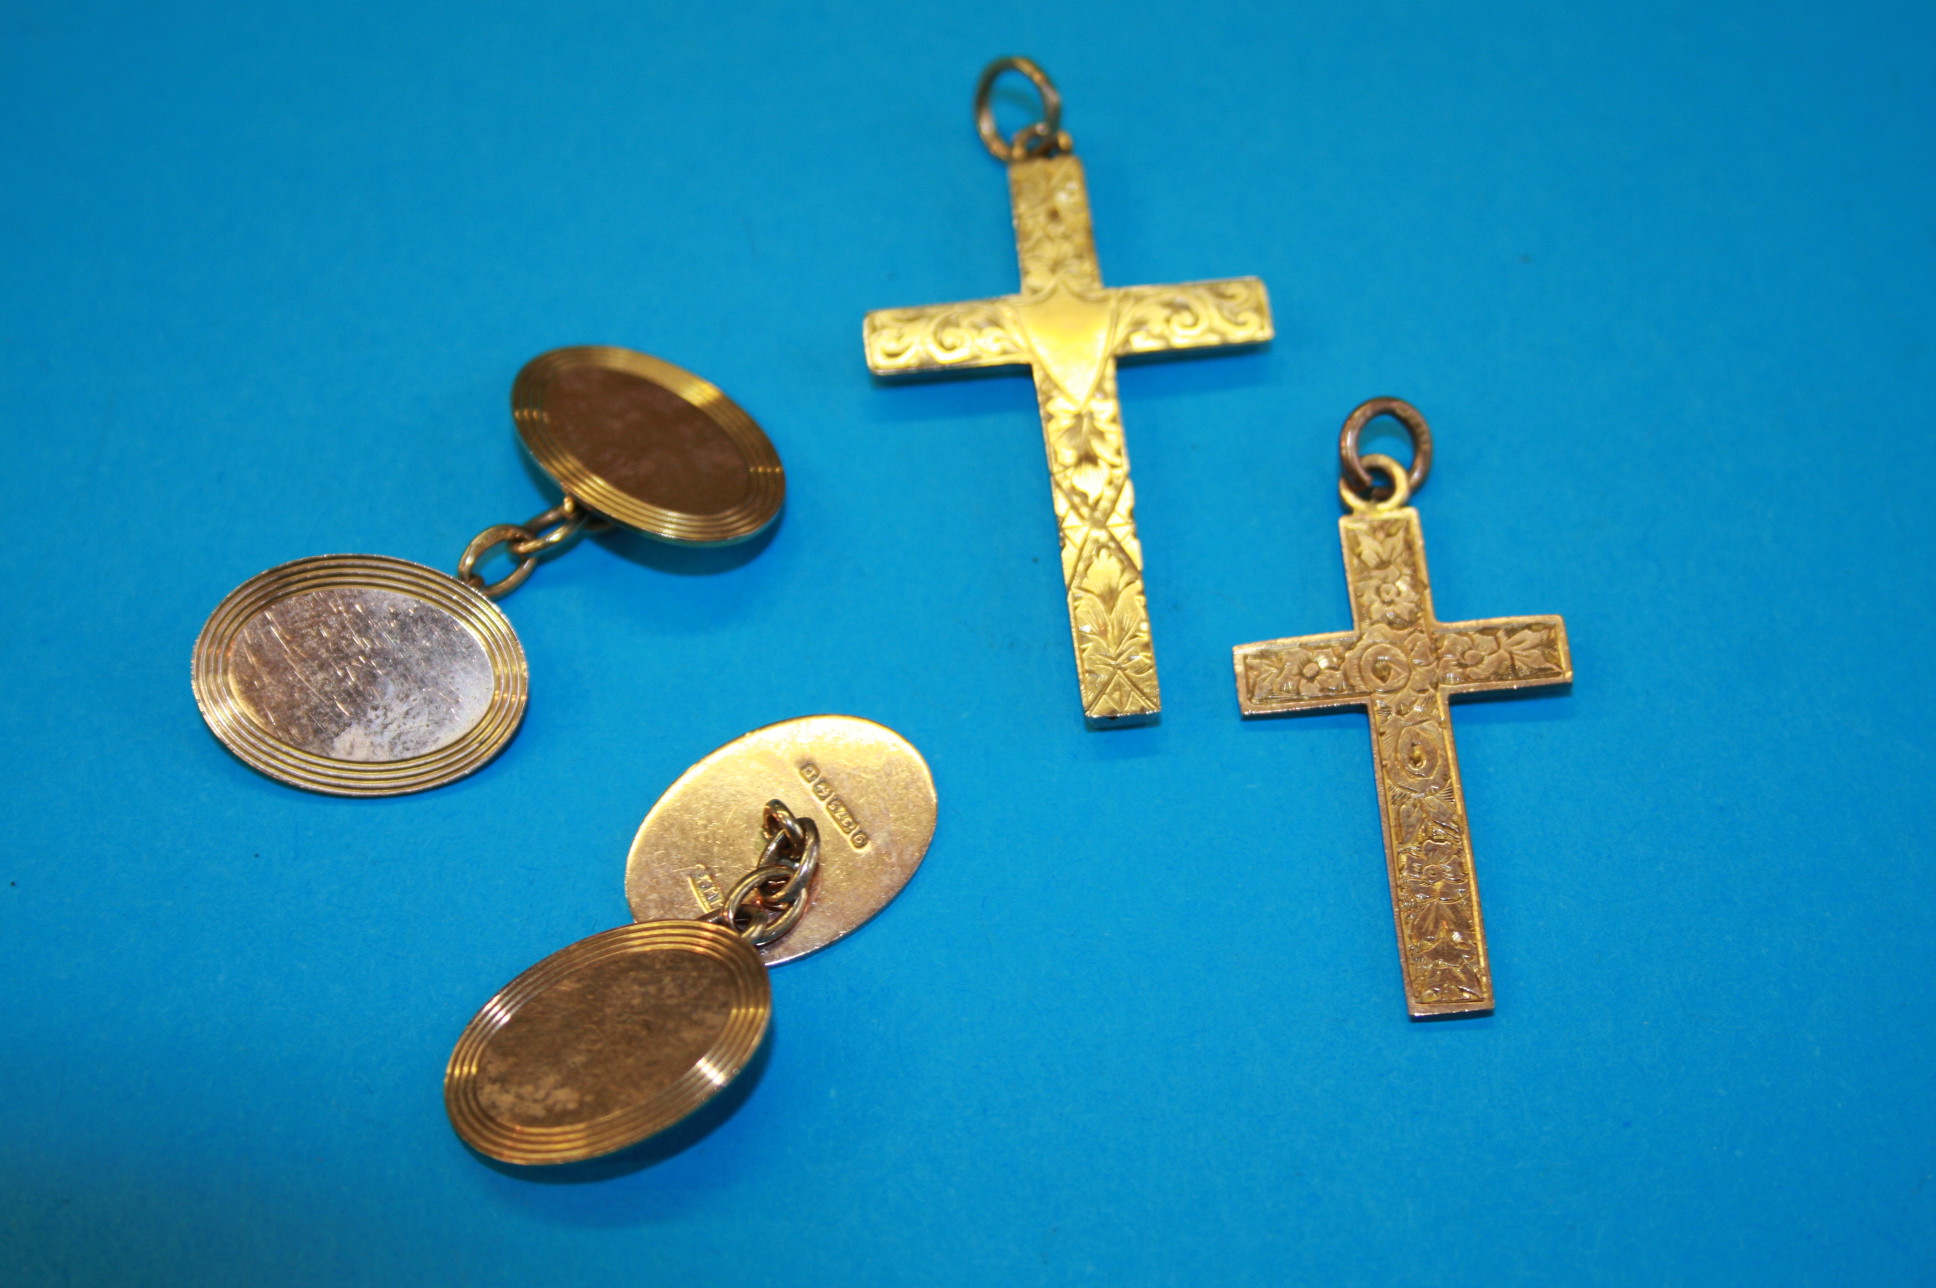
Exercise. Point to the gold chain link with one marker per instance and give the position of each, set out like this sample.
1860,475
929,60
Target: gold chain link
526,542
769,900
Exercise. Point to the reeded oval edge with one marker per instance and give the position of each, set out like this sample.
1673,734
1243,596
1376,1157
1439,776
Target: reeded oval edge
730,1052
231,722
766,479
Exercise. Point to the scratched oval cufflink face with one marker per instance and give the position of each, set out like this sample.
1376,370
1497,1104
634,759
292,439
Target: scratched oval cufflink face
360,675
866,787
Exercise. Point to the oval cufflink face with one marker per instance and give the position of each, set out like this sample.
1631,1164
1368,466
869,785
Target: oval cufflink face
648,444
866,788
608,1042
360,675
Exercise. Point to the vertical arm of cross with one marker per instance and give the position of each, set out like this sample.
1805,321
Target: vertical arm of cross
1421,801
1055,241
1066,314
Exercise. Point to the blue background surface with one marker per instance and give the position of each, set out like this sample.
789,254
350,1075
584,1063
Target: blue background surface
1661,276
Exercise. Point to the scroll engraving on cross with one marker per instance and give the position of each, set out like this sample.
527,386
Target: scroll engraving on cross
1070,329
1402,665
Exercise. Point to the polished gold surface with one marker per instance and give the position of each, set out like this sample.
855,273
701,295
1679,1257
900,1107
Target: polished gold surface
867,789
359,675
648,444
607,1042
1402,664
1069,330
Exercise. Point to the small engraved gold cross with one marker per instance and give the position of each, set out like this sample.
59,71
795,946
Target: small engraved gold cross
1070,329
1402,664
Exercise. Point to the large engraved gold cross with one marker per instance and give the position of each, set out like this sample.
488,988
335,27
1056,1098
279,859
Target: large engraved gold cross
1070,329
1402,664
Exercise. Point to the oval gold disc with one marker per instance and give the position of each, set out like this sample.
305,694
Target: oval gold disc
868,791
608,1042
360,675
648,444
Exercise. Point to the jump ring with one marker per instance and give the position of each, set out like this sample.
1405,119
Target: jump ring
1399,492
1045,133
1033,141
1353,465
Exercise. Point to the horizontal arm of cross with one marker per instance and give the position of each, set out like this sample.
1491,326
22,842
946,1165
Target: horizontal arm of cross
1302,674
1191,315
1349,669
1502,653
943,337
